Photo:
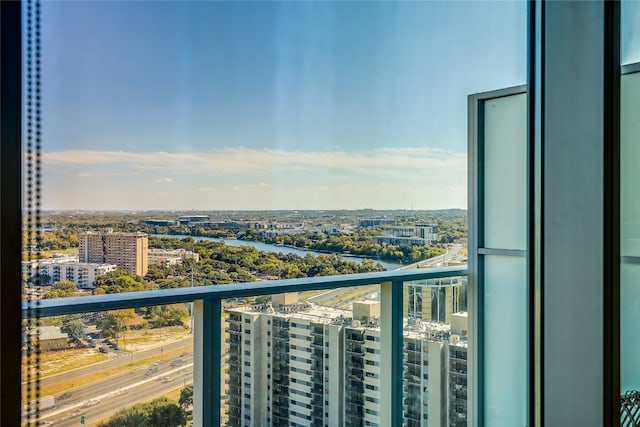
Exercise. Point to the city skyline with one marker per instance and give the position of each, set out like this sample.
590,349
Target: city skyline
275,105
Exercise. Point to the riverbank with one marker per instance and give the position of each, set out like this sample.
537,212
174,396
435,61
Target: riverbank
269,247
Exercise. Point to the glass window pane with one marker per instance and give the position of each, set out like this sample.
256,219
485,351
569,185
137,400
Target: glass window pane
271,140
630,319
630,28
629,160
505,333
505,160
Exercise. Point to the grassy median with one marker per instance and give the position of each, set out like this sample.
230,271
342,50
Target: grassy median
65,385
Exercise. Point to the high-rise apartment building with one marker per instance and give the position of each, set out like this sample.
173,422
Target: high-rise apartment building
293,363
285,364
458,383
126,250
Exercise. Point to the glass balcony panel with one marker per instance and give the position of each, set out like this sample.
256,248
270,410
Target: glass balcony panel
85,368
505,160
505,344
630,37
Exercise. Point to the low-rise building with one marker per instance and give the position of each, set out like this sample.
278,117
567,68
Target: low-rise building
419,234
47,338
167,257
52,270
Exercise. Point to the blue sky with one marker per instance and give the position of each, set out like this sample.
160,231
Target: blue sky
267,105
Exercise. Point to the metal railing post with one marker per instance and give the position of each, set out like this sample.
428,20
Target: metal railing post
206,362
391,352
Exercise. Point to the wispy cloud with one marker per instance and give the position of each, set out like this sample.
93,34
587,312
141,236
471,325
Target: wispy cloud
243,160
237,179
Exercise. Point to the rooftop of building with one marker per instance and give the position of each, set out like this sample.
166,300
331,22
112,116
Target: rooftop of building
68,261
47,333
414,328
301,310
116,233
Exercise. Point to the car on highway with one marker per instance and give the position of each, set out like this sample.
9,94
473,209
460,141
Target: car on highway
177,362
65,395
167,379
92,402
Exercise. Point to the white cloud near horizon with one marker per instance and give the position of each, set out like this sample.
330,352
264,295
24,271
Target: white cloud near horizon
242,160
242,178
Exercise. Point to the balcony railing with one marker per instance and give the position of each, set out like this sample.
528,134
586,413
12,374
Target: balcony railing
207,315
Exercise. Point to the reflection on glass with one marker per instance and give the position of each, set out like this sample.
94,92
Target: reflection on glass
436,352
630,31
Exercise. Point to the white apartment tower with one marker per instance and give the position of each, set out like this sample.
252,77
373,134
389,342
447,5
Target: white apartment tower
284,365
297,364
126,250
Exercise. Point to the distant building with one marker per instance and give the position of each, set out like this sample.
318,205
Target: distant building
331,228
30,268
83,274
427,231
167,257
193,219
374,222
400,241
52,270
420,234
126,250
160,222
47,338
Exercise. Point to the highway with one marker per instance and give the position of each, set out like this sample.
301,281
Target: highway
119,358
102,398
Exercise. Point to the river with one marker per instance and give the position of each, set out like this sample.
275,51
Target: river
267,247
